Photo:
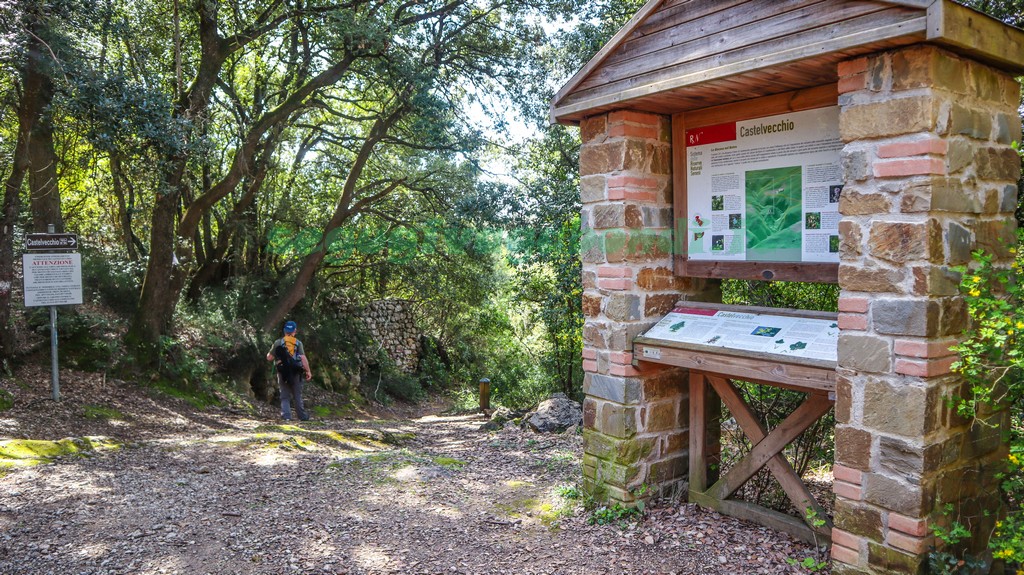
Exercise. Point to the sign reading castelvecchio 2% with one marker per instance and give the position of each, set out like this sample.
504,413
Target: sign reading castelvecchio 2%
47,242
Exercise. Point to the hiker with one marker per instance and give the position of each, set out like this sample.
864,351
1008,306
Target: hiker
291,362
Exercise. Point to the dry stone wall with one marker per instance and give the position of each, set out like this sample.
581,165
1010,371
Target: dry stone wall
392,325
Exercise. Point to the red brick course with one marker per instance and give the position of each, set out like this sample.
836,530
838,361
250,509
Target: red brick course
926,367
847,474
615,284
908,525
854,304
924,349
914,148
853,321
920,167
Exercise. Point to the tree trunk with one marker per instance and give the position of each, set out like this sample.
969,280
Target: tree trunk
233,228
33,100
159,297
164,277
123,208
161,286
45,193
12,203
296,292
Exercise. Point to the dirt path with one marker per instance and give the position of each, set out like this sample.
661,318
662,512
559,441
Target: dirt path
221,493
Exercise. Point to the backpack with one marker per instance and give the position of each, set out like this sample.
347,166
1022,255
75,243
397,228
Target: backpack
288,363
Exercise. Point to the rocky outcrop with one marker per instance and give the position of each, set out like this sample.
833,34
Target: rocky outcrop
555,414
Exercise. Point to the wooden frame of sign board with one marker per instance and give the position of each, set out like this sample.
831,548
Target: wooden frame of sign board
711,369
796,101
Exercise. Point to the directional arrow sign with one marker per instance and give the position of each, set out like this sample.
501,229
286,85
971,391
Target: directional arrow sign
43,242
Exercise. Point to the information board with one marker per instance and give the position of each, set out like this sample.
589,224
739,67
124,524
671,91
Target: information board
764,333
52,279
765,189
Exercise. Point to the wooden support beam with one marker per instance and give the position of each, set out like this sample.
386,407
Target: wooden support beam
698,433
761,516
803,417
779,466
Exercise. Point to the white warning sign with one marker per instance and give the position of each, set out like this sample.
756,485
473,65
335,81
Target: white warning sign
52,279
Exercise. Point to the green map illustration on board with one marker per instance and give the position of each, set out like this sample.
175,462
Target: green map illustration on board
774,214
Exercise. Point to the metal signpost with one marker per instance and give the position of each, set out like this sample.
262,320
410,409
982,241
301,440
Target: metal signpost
53,277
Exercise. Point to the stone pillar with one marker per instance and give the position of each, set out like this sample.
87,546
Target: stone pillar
635,418
929,176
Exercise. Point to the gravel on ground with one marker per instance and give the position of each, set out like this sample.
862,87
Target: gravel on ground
220,491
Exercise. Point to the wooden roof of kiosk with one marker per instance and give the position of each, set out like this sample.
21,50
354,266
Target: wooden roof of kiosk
680,55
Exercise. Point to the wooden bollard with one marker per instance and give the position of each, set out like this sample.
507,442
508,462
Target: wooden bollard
485,394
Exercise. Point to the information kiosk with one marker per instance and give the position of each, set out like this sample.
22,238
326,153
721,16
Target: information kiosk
865,143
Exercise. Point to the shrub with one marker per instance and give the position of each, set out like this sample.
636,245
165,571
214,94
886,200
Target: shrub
991,361
85,341
112,280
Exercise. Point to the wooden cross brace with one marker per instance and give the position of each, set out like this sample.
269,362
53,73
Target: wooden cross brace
767,451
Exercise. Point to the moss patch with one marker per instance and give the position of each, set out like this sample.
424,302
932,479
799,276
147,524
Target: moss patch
6,400
26,452
196,399
101,412
449,463
330,411
349,440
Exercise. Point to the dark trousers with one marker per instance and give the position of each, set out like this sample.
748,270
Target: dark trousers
291,388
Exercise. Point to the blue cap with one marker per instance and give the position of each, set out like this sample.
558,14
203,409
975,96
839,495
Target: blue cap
289,326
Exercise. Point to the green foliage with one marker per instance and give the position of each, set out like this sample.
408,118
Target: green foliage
811,564
1009,11
328,412
181,365
450,463
6,400
85,341
991,361
614,514
992,355
795,295
946,561
569,492
386,382
1008,540
201,398
112,280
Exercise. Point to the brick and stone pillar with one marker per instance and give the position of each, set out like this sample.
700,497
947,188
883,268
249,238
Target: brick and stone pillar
929,176
635,418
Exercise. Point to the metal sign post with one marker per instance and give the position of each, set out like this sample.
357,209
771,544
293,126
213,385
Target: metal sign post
52,279
54,370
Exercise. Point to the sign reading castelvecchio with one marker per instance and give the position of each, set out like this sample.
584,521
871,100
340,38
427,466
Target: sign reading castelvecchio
44,242
765,189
